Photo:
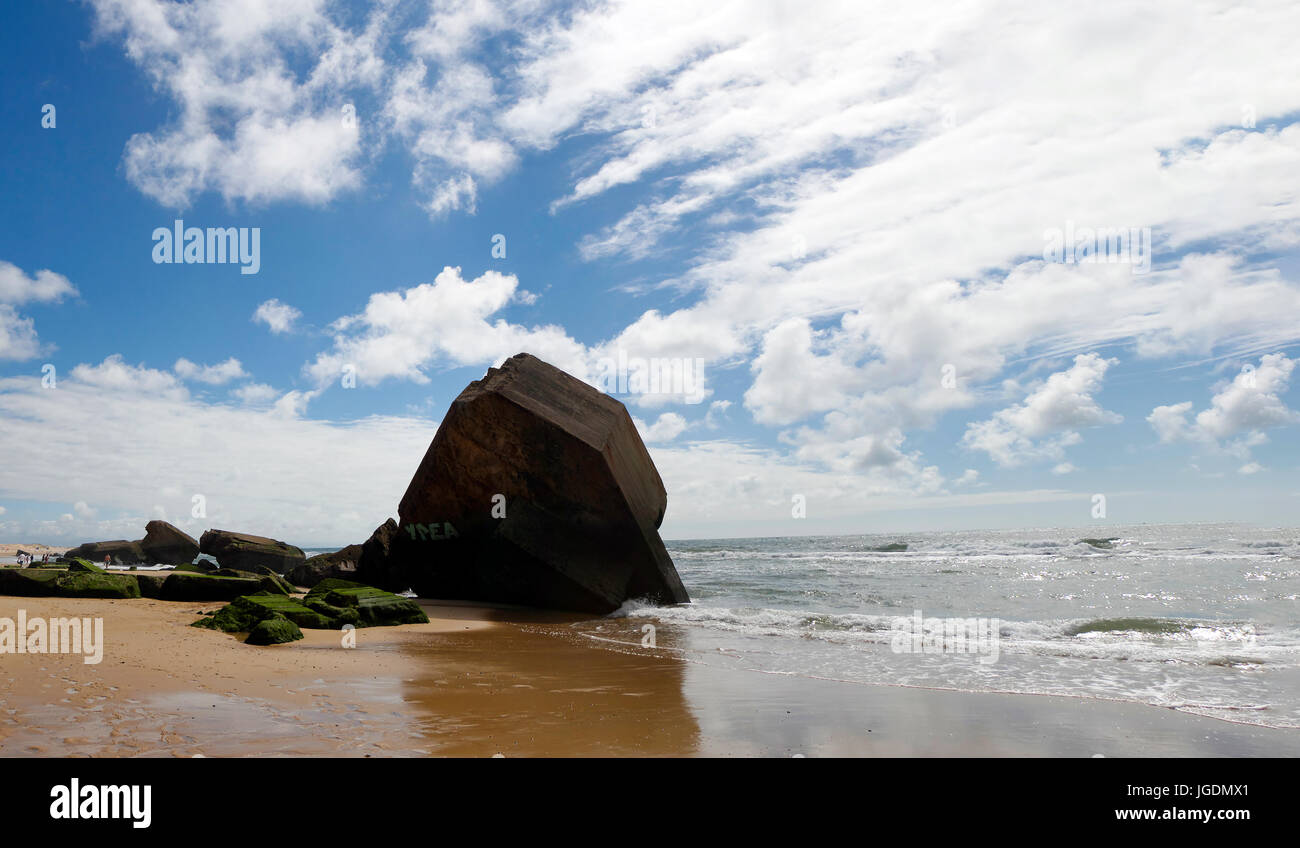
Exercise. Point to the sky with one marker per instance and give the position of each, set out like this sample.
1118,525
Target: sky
935,265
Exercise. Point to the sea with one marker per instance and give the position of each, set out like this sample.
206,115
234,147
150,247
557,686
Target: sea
1201,618
1198,618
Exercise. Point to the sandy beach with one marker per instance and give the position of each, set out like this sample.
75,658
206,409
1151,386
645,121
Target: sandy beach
10,550
480,681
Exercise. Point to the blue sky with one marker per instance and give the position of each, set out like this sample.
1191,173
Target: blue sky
832,210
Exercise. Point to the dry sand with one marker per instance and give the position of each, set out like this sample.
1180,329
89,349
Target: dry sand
478,682
8,550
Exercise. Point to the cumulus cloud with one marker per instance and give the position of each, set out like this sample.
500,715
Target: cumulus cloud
666,427
1238,414
216,375
130,440
1049,418
116,378
400,334
255,393
17,335
45,286
249,124
18,339
279,317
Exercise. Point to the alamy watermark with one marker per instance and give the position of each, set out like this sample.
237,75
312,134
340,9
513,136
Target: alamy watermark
1086,245
678,376
179,244
917,635
38,635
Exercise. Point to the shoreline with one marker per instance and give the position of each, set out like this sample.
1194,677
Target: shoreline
481,681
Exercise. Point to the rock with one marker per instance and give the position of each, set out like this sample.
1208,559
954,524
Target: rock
340,564
86,584
202,566
273,631
166,544
243,551
582,499
378,566
1103,544
151,583
64,583
892,547
29,582
85,565
185,586
364,606
338,602
119,551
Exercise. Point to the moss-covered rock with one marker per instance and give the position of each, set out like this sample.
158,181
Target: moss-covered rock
267,579
332,604
79,564
85,584
374,607
1103,544
29,582
151,583
273,631
243,612
892,547
62,583
184,586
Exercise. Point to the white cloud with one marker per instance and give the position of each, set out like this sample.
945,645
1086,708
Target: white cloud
42,287
402,333
280,317
130,440
83,510
17,335
216,375
1239,412
255,394
1049,418
117,378
18,339
667,427
250,123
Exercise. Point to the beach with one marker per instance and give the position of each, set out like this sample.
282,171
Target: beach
480,681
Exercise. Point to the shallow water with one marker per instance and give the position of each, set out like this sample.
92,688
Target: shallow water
1200,618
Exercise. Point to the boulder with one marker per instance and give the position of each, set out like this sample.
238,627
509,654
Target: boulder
201,567
120,552
378,565
166,544
63,583
273,631
536,490
185,586
331,605
364,606
243,551
340,564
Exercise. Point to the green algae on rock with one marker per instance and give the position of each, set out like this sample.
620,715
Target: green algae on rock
331,605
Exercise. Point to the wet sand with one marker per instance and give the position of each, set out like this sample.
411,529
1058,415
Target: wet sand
479,682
